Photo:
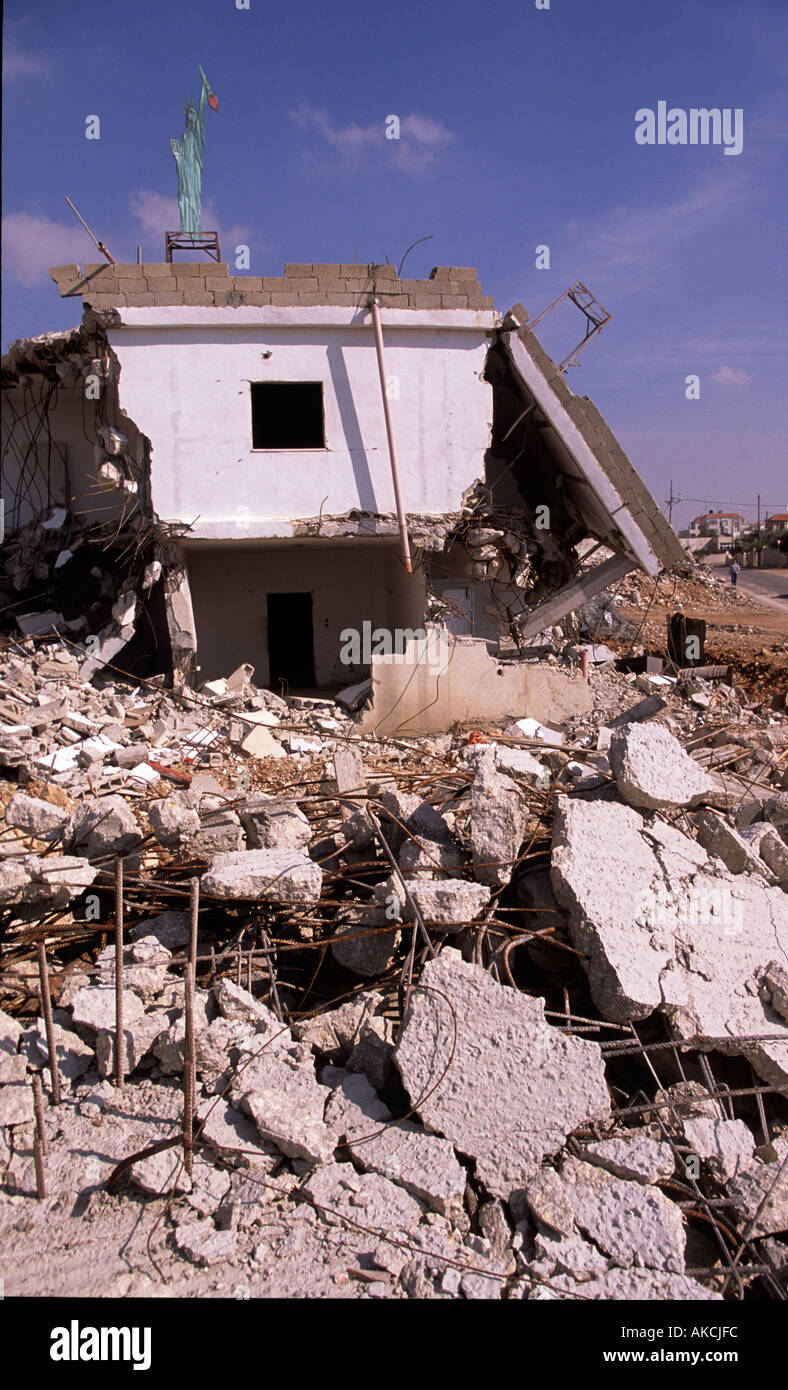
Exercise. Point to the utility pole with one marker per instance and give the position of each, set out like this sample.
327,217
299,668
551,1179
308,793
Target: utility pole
758,535
670,504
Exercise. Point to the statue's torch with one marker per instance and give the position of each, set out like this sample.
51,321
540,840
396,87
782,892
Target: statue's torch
213,101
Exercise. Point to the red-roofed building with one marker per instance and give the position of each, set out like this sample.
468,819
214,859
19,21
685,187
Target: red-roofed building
778,522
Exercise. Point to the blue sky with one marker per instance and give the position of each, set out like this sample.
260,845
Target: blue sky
517,130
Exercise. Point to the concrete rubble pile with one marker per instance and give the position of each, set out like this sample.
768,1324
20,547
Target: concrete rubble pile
498,1013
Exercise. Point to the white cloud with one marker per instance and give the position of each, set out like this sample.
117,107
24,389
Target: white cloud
31,244
730,376
20,62
421,138
629,244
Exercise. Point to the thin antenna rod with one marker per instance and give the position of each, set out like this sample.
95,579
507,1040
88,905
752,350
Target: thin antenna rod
100,244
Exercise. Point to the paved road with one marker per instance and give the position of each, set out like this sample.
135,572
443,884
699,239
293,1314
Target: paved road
769,584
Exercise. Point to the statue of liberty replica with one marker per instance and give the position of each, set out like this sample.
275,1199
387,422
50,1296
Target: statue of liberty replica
187,153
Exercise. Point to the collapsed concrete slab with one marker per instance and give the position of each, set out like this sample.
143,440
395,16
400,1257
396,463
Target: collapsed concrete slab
499,816
424,698
284,874
650,913
513,1088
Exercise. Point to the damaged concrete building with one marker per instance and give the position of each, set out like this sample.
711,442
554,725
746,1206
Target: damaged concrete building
201,475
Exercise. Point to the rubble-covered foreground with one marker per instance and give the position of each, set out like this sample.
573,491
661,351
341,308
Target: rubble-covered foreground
500,1014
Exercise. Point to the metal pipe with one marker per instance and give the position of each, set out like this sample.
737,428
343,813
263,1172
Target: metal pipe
403,526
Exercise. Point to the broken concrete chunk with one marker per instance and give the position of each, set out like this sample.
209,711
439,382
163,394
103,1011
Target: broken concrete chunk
287,1106
16,1105
10,1033
102,827
636,1157
93,1008
514,1087
723,841
633,1223
139,1036
159,1173
239,1005
760,1194
235,1133
274,822
364,942
220,832
51,880
74,1057
652,770
660,932
275,874
38,818
446,903
429,858
367,1198
499,816
727,1146
768,843
774,988
201,1243
422,1163
172,822
171,929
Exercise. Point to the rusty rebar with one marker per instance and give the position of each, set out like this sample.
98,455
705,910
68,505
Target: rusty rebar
38,1102
188,1070
46,1005
119,1035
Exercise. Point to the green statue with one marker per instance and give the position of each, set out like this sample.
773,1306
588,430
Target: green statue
187,153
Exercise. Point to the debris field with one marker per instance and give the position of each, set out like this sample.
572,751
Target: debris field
495,1013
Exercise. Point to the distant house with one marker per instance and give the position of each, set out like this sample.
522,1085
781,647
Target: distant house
726,526
778,523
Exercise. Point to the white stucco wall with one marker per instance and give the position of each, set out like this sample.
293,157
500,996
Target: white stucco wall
185,376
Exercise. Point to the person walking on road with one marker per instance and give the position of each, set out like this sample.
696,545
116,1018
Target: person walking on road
735,568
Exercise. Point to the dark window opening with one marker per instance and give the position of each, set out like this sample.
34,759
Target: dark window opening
291,642
287,415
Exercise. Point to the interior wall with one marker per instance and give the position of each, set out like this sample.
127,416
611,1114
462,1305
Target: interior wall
349,585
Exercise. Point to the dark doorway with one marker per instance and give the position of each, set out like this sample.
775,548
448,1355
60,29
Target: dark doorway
291,643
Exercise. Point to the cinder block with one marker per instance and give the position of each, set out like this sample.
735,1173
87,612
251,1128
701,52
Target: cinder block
385,272
486,301
274,282
138,301
440,272
395,301
299,272
101,301
426,301
341,299
284,298
247,284
419,287
132,286
162,284
306,285
127,272
349,268
65,272
331,270
331,283
193,267
258,298
155,270
198,296
463,272
92,266
215,284
454,301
